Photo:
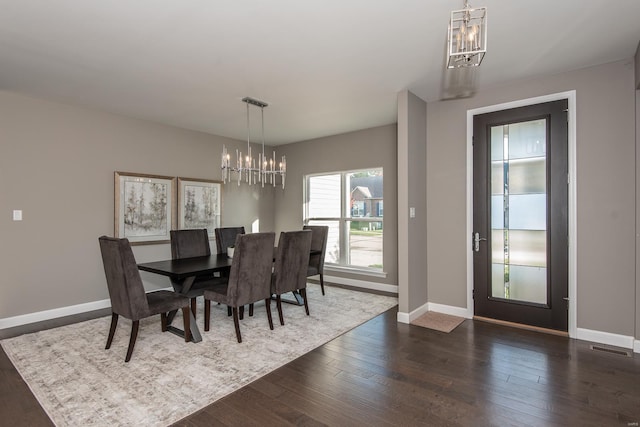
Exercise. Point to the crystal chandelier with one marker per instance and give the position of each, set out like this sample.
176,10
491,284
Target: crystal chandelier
467,40
244,169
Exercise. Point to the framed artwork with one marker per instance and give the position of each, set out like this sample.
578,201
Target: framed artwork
144,207
199,204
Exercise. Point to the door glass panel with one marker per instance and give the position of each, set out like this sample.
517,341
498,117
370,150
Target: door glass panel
528,284
528,212
519,212
528,176
528,247
497,212
497,247
528,139
498,289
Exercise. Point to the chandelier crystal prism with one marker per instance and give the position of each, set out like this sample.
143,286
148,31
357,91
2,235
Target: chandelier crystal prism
244,168
467,39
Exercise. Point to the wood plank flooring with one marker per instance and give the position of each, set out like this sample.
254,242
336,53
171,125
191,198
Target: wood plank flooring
388,374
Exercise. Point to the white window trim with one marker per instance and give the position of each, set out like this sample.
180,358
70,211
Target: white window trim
345,210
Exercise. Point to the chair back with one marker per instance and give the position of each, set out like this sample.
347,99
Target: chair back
226,236
318,244
250,275
189,243
292,260
126,290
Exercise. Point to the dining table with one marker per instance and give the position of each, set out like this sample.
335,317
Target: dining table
185,271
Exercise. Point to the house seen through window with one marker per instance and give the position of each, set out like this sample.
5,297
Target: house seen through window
351,204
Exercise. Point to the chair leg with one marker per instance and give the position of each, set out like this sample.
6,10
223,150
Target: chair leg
236,322
112,330
132,340
303,292
279,307
163,321
229,311
194,305
267,302
207,314
241,311
321,284
186,315
251,310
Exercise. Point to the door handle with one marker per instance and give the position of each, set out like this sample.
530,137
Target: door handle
476,241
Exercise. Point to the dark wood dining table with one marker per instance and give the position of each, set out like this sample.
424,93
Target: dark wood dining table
186,270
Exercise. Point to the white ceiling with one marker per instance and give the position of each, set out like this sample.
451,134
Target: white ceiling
324,66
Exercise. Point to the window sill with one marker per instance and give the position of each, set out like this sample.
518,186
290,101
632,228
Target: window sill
355,270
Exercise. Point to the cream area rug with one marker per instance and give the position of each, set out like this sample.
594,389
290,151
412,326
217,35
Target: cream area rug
79,383
438,321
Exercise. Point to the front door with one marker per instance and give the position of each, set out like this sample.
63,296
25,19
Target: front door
520,219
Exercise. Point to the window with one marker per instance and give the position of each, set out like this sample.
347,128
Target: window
351,204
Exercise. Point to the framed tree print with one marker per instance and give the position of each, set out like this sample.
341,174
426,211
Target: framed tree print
144,207
199,204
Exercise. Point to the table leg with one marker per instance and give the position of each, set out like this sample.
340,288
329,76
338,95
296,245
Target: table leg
195,332
298,300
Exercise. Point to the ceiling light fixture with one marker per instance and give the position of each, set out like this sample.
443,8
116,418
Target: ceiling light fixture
467,40
245,167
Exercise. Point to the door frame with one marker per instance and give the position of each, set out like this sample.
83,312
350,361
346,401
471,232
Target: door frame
572,217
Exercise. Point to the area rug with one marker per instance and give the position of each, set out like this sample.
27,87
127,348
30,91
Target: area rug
438,321
79,383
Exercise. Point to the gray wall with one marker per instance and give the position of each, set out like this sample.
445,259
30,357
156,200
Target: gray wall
369,148
412,180
606,166
56,164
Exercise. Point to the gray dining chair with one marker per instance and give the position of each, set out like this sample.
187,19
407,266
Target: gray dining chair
127,294
319,247
226,236
189,244
249,279
290,270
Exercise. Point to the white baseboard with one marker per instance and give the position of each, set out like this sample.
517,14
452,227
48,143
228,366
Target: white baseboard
25,319
438,308
409,317
362,284
450,310
608,338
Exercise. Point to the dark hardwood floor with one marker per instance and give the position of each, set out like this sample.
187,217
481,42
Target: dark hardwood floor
386,373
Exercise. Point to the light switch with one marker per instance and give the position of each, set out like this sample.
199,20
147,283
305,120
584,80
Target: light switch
17,215
412,212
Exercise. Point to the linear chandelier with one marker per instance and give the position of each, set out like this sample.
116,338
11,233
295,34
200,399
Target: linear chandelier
245,169
467,40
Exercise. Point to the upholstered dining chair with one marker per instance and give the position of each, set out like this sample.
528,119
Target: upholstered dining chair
319,247
127,294
226,236
249,279
290,270
189,244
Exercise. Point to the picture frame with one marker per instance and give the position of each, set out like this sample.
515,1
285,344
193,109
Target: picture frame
144,207
199,204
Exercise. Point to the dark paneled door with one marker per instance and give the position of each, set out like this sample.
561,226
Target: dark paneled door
520,219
